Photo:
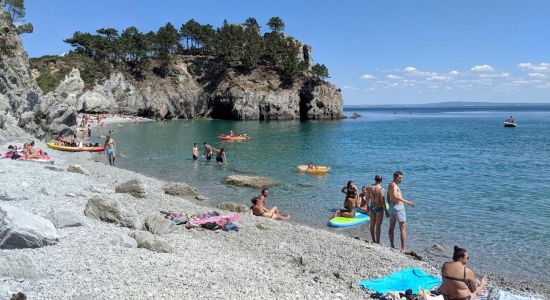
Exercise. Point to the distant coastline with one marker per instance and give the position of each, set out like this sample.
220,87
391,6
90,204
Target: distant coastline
448,104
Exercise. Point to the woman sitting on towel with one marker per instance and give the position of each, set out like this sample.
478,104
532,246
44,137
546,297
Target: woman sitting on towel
459,282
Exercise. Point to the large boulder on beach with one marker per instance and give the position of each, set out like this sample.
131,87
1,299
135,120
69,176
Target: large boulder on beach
77,169
157,224
62,218
112,211
18,266
125,241
234,207
133,187
253,181
180,189
152,242
21,229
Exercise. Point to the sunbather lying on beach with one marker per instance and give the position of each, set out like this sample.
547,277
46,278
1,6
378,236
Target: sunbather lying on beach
31,153
258,210
459,282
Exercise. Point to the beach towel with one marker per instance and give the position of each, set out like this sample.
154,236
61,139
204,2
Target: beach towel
215,218
414,279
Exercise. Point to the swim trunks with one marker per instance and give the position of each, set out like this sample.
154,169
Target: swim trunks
195,157
209,157
398,211
219,159
111,151
375,209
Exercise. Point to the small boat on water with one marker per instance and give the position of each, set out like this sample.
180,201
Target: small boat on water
240,137
75,149
509,124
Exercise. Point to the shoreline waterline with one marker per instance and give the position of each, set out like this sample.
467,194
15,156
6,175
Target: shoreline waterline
365,234
318,257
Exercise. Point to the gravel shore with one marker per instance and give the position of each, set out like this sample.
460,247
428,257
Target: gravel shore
265,259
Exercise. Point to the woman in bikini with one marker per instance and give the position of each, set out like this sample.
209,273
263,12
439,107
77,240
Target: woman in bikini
459,282
376,207
352,201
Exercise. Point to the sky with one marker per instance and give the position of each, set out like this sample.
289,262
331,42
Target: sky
377,51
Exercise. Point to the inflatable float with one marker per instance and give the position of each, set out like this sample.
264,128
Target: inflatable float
360,218
316,170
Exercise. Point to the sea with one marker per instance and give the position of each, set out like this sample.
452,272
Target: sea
475,183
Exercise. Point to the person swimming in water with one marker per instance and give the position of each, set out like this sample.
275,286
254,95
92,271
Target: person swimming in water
207,152
195,151
220,156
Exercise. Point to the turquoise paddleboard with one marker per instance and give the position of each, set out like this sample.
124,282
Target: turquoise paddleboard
360,218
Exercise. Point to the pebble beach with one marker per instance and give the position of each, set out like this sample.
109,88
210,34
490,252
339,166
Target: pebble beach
94,259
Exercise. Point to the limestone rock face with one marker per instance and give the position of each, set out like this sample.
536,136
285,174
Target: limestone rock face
133,187
21,229
152,242
113,211
253,181
196,87
20,97
180,189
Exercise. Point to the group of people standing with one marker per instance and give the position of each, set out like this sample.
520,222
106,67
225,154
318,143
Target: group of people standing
371,200
208,152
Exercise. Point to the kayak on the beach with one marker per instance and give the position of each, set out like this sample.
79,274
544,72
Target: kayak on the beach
75,149
316,170
360,218
225,137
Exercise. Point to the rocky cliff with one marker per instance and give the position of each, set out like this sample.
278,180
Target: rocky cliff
196,87
20,97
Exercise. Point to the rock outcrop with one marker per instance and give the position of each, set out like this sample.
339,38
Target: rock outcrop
180,189
112,211
196,87
21,229
133,187
20,97
253,181
152,242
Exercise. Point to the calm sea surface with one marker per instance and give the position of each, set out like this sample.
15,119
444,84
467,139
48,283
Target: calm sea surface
475,183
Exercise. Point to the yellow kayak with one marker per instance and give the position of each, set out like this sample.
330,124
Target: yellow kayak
75,149
316,170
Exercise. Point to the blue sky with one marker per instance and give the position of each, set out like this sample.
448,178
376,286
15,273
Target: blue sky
378,52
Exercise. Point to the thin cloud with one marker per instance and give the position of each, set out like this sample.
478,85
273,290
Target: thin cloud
534,68
367,77
482,69
394,77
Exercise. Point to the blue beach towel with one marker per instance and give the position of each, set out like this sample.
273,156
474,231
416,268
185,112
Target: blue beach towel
414,279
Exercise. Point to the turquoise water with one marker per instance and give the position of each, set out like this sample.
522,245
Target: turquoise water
475,183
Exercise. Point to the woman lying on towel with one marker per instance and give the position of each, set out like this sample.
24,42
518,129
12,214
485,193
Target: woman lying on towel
459,282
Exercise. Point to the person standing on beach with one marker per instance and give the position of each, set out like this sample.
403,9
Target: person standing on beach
195,151
397,209
207,151
374,198
89,131
110,146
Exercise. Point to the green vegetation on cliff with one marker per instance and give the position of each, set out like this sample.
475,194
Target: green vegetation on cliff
240,47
